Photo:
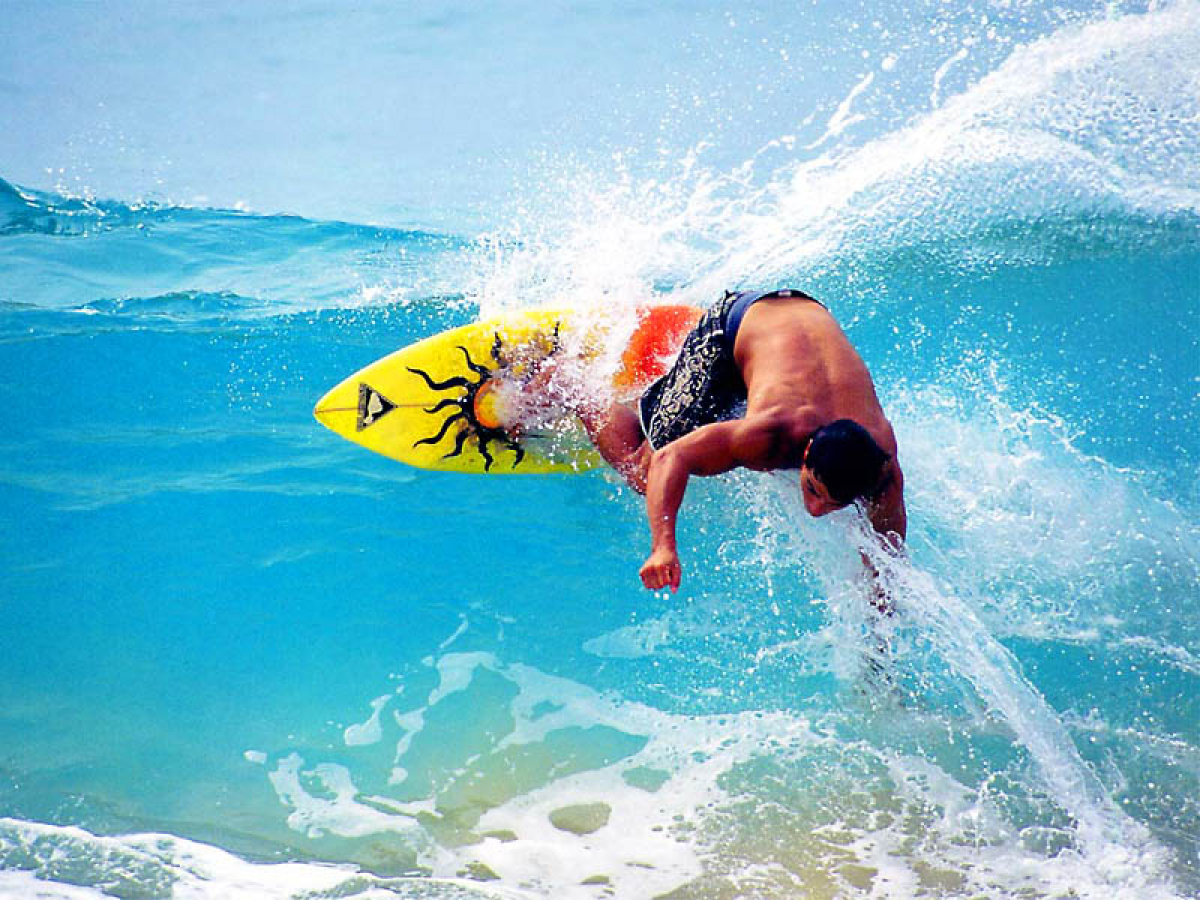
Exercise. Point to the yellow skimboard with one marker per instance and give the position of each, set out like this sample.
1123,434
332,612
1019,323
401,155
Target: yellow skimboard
441,403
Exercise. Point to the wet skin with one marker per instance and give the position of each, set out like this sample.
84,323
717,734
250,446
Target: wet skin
801,373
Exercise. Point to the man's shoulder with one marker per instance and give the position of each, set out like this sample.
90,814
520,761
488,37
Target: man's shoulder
782,433
800,421
885,436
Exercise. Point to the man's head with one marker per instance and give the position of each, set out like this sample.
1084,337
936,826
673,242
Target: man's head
841,463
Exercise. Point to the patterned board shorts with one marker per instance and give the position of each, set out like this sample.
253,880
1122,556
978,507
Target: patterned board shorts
703,386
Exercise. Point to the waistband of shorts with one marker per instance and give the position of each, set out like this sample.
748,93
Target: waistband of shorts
743,300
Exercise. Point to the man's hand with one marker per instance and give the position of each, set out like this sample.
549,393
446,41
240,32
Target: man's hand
661,570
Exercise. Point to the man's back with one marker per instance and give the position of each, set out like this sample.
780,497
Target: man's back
797,363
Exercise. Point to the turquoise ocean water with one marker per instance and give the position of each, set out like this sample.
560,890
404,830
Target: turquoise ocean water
240,657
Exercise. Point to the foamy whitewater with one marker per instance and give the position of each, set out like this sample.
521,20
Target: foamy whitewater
240,657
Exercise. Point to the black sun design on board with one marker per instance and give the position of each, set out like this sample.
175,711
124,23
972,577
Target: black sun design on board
465,409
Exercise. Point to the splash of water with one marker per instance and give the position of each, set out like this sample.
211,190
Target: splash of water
1090,133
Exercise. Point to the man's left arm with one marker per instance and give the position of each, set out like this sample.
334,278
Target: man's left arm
886,510
889,518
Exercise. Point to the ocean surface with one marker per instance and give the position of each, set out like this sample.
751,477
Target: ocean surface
240,657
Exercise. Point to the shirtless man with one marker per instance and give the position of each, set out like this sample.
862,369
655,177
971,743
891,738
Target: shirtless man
810,406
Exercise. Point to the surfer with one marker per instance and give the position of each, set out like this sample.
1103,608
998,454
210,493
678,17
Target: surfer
810,405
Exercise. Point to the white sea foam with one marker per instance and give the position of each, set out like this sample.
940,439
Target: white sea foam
670,814
332,805
73,864
680,799
370,731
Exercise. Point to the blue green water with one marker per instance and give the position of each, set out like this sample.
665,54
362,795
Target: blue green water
240,657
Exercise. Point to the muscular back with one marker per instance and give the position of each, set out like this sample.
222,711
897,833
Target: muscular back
798,365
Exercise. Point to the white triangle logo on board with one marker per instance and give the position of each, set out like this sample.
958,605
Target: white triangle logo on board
372,406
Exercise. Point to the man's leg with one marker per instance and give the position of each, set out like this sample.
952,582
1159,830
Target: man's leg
617,434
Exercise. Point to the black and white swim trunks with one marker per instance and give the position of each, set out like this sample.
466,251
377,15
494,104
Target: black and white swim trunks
704,385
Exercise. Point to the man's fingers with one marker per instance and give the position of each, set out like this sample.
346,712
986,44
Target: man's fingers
658,575
666,577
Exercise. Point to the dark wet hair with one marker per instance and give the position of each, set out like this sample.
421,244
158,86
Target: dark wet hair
845,458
